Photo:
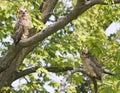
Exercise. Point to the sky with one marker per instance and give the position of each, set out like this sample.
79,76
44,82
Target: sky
113,28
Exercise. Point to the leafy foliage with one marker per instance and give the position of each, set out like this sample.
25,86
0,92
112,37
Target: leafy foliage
63,48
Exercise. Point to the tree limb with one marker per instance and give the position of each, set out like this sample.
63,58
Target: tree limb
106,71
6,60
9,64
47,9
33,69
102,1
15,52
95,84
66,77
59,69
79,9
10,55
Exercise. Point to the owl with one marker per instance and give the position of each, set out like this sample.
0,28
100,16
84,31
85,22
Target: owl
91,66
22,26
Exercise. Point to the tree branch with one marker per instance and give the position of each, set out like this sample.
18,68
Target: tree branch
59,69
78,10
63,83
117,1
15,53
6,60
33,69
106,71
10,55
47,8
95,84
102,1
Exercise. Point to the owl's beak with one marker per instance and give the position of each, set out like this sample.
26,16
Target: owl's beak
23,12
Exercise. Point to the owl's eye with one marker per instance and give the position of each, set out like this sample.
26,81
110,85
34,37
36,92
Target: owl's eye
20,11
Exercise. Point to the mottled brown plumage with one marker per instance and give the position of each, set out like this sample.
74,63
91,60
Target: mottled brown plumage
91,66
22,25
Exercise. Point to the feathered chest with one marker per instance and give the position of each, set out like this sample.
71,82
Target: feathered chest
24,22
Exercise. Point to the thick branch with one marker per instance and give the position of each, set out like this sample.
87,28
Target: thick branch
117,1
6,60
13,58
59,69
47,8
78,10
103,1
14,54
33,69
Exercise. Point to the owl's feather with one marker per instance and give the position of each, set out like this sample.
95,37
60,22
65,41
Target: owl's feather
22,26
92,67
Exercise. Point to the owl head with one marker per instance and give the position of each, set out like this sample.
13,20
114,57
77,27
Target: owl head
22,12
85,53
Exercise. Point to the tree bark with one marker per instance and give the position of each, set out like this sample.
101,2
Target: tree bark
9,63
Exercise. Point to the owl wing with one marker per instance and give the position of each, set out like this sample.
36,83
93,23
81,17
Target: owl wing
18,33
94,61
97,71
96,67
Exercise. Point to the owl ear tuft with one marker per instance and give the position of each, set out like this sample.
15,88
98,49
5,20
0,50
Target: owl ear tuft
21,8
85,51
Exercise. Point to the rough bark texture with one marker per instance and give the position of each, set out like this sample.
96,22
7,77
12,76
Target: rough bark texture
10,62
